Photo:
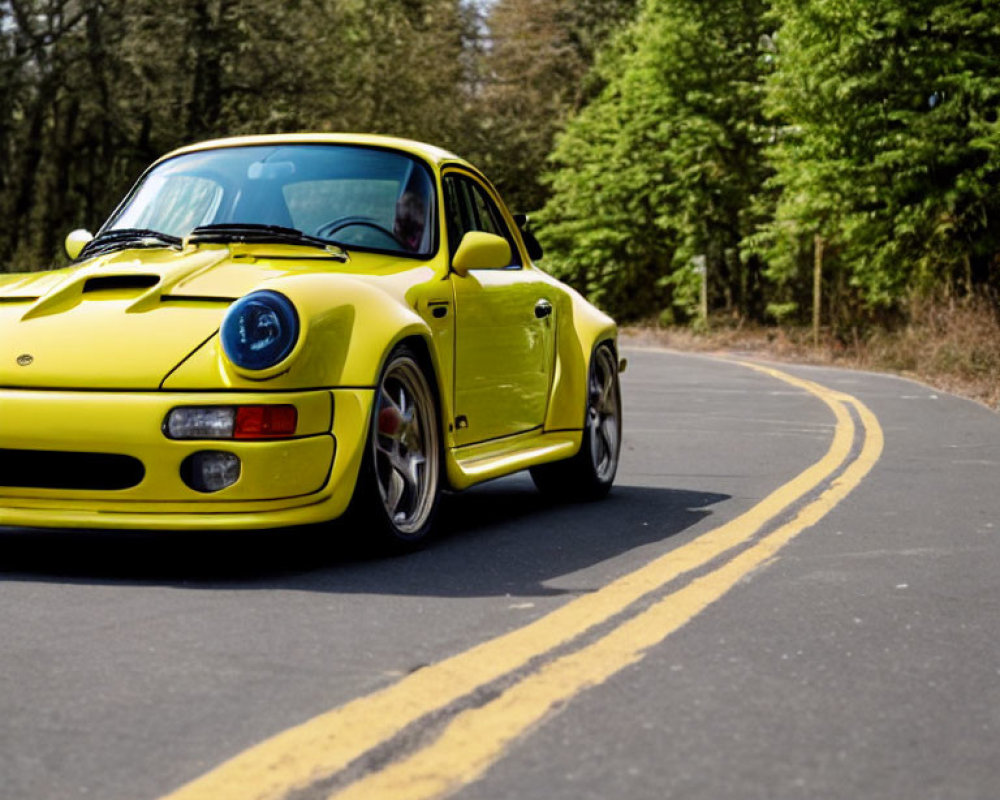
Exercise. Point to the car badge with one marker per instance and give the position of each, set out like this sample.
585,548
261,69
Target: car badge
25,359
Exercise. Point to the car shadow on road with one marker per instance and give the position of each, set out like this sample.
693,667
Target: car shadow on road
496,539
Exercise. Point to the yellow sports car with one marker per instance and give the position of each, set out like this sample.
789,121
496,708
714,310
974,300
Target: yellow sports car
279,330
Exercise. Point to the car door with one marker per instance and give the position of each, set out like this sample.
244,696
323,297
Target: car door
504,327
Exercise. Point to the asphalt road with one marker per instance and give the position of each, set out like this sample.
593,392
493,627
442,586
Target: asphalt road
846,645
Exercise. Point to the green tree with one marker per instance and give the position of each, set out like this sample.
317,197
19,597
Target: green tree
392,67
672,150
96,89
533,72
888,148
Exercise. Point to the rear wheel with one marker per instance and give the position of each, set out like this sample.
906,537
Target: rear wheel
399,484
589,474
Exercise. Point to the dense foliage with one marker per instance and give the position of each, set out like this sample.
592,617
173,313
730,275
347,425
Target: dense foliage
534,71
658,138
95,89
665,164
889,150
744,135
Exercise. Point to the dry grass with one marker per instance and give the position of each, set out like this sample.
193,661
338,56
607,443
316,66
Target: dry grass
952,346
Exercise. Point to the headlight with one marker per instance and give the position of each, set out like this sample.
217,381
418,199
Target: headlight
260,330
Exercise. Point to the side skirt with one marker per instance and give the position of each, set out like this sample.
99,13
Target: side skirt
475,463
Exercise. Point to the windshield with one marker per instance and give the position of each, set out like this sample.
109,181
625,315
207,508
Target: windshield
357,197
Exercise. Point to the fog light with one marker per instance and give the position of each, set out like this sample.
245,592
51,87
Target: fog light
210,470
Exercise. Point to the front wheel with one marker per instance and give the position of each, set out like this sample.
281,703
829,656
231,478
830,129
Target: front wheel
589,474
399,483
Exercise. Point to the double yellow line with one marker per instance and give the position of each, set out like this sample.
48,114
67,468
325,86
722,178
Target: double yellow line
538,678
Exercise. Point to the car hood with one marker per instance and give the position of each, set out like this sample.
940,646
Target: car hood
125,320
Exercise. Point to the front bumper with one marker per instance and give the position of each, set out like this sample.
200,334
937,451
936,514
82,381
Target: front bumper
306,479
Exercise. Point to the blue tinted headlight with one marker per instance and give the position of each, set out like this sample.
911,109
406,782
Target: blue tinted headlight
260,330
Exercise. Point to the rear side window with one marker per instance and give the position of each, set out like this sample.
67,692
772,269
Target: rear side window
470,208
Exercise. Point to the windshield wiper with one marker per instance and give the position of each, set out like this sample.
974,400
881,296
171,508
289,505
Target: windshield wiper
123,238
252,233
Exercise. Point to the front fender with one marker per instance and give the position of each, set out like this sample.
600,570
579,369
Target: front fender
348,325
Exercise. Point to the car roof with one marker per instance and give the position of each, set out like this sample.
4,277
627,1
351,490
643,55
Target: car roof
430,153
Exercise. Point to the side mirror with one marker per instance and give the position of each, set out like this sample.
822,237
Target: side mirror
76,241
535,251
480,250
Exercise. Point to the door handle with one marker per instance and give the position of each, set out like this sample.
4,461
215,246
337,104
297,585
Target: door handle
543,308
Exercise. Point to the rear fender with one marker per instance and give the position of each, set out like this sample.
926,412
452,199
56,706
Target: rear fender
581,328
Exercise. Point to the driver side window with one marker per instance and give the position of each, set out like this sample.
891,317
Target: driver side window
470,208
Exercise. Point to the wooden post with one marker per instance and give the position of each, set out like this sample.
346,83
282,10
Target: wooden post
701,267
817,285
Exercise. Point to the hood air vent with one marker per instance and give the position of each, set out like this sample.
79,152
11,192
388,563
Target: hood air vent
108,283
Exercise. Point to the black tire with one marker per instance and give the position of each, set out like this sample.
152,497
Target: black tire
399,484
589,474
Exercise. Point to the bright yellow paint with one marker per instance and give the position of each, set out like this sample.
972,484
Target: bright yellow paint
76,241
496,325
479,250
295,477
115,360
319,748
81,421
435,156
479,462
